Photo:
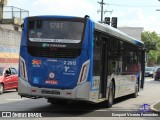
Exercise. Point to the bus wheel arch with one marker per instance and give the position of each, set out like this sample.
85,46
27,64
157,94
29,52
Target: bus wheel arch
139,83
111,94
114,84
135,94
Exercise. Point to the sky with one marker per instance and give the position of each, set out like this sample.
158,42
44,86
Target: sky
130,13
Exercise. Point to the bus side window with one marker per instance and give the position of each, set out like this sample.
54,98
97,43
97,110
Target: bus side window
111,67
97,55
39,24
131,64
31,25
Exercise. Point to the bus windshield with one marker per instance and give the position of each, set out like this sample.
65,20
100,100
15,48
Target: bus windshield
55,31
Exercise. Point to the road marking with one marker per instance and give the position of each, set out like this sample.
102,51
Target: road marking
15,99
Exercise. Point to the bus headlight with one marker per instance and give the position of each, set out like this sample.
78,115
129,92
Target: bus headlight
84,72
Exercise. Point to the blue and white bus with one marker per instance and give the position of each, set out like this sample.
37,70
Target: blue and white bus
65,58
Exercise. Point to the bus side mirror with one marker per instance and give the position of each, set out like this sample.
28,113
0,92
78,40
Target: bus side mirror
22,25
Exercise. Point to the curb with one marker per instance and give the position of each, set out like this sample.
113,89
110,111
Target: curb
153,108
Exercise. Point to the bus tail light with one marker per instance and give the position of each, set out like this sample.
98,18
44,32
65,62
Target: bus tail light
33,91
84,72
23,73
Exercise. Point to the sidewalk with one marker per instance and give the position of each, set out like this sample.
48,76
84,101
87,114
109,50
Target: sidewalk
155,107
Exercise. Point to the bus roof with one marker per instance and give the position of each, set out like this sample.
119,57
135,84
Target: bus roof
104,28
119,34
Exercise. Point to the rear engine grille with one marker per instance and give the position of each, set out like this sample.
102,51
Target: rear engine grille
54,52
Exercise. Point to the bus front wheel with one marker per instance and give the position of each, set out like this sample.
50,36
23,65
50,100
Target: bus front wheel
135,94
111,92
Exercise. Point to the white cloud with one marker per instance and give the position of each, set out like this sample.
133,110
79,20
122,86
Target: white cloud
23,4
15,1
132,17
136,17
152,24
63,7
78,8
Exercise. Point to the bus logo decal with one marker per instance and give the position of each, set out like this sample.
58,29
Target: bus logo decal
36,62
45,45
66,68
53,82
51,75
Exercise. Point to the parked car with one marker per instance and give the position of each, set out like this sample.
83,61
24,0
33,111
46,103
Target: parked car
149,71
8,79
157,74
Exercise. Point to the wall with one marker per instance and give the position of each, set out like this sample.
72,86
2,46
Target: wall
9,47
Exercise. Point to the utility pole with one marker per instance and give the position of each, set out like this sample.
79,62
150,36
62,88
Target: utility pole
102,11
101,4
2,3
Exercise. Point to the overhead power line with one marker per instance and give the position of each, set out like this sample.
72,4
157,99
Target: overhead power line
124,5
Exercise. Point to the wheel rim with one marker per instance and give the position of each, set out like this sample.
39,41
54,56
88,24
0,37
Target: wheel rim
111,95
137,90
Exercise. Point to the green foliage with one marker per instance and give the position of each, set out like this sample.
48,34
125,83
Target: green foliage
152,42
152,57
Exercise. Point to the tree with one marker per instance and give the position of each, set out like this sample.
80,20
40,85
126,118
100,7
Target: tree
152,42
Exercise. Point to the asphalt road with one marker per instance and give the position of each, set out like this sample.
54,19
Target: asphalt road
11,101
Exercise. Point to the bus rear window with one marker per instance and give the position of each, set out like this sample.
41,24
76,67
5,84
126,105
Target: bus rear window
55,31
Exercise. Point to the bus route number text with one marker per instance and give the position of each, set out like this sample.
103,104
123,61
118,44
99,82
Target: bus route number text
69,63
54,25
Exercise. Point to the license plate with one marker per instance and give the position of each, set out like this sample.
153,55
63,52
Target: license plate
50,92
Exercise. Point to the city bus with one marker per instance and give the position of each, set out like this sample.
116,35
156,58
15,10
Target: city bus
67,58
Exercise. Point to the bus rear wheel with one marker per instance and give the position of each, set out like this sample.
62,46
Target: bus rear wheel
111,92
53,101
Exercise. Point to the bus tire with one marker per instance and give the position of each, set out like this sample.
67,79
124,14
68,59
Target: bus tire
53,101
135,94
1,88
111,92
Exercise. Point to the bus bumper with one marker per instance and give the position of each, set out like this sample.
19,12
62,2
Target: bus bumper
80,92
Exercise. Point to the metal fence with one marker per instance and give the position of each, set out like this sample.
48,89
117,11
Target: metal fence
9,12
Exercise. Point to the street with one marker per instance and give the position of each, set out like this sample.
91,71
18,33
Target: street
11,101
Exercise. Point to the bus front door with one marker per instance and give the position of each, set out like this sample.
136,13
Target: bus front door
104,61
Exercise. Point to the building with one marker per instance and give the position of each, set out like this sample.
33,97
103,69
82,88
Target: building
134,32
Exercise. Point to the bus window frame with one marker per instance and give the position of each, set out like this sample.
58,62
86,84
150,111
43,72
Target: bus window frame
68,45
